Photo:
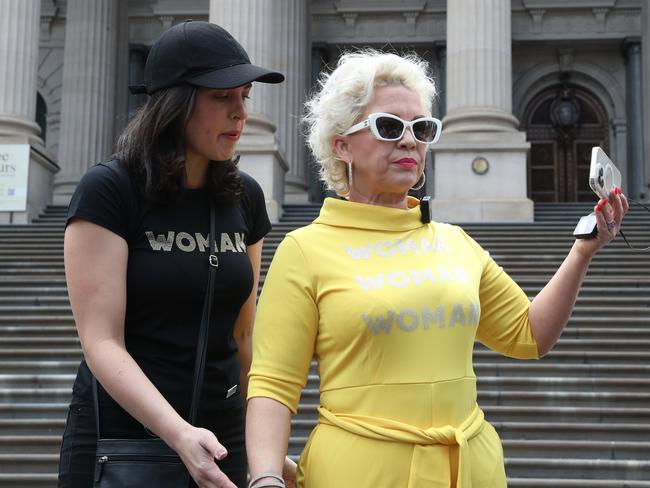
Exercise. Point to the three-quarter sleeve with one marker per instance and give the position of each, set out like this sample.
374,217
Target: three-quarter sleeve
504,325
286,326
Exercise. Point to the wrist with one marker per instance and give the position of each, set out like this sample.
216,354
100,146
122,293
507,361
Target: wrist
582,251
267,479
174,433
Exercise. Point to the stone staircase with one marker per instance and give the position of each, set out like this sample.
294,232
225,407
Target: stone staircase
578,418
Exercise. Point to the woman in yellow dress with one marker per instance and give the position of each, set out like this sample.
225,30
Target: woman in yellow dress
390,306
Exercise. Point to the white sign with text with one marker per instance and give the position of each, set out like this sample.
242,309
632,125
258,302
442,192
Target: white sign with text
14,172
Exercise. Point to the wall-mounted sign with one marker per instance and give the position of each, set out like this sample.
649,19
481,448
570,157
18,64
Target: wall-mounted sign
14,172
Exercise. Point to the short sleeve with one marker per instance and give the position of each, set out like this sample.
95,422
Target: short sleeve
103,198
286,326
255,203
504,325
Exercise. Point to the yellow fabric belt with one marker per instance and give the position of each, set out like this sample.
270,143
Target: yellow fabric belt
392,430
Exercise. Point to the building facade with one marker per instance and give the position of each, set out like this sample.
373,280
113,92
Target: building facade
526,88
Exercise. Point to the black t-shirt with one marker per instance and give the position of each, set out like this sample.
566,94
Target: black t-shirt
167,276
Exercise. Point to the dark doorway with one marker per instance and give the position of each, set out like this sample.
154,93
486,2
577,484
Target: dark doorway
562,124
41,115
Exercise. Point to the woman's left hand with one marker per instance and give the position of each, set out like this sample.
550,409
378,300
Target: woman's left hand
289,472
609,216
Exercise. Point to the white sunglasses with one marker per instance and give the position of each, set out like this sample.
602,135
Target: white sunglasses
389,127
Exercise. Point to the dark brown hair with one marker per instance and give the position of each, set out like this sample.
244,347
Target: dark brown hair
152,146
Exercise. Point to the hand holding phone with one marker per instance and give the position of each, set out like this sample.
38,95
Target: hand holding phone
604,176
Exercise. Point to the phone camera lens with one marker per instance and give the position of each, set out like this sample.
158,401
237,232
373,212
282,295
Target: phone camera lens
601,182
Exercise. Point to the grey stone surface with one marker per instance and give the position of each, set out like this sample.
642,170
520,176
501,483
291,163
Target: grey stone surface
88,97
634,104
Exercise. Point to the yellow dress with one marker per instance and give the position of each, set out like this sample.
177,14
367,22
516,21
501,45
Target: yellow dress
390,308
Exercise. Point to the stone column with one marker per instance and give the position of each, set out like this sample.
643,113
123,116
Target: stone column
295,63
19,34
634,108
122,67
275,36
479,121
618,136
645,53
19,37
88,94
442,80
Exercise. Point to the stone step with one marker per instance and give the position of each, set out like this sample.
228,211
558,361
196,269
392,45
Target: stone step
561,384
58,354
20,444
8,293
26,331
29,464
39,367
32,427
37,410
573,431
33,395
27,480
579,468
8,283
36,271
580,449
33,244
614,415
23,381
574,483
25,254
39,342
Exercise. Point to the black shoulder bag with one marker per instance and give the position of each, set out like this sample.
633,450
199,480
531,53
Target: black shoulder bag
124,463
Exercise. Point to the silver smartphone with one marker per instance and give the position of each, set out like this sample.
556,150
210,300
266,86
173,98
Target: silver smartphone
604,176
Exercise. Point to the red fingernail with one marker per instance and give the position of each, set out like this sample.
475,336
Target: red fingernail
617,190
598,208
602,202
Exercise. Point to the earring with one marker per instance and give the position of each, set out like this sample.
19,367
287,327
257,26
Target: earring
424,179
349,177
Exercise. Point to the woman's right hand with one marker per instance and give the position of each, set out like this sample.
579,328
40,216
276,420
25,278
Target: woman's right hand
198,448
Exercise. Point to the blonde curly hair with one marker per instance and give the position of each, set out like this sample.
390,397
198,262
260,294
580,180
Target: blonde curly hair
343,96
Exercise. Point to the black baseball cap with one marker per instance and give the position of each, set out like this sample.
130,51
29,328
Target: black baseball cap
200,54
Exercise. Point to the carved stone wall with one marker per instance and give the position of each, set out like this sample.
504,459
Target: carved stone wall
587,34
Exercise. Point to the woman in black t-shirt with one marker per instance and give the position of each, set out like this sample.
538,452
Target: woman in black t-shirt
136,253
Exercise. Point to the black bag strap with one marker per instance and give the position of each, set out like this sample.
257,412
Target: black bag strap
202,340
